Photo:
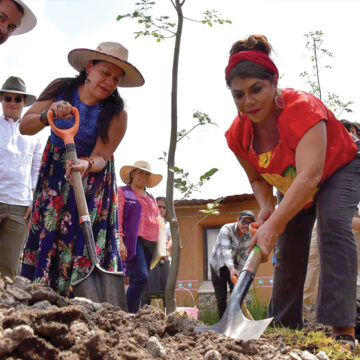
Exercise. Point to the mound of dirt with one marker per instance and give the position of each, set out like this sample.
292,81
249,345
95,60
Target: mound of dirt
36,323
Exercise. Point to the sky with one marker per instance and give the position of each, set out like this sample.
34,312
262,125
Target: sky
41,56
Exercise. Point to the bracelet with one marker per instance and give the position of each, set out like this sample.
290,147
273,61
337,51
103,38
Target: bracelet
91,163
43,117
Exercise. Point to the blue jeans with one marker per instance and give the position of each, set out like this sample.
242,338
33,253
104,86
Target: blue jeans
138,271
334,208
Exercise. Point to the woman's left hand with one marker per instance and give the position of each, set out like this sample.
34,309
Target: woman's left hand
82,166
265,238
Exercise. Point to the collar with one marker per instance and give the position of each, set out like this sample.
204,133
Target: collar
8,119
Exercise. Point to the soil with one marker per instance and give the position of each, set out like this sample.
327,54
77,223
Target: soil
36,323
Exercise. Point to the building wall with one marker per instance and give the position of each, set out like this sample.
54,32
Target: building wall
192,268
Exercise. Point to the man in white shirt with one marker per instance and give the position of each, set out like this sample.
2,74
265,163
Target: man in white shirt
15,19
20,158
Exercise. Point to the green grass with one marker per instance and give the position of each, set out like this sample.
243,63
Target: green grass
257,309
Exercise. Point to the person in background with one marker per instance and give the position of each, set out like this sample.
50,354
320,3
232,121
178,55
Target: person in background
228,256
19,166
15,19
161,203
288,139
138,226
156,284
55,253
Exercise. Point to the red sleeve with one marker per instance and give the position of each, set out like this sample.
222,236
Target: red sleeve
121,200
301,113
239,135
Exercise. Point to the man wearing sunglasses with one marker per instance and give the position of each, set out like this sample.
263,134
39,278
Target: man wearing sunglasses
229,255
20,157
15,19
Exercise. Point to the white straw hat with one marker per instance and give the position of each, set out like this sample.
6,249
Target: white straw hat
153,179
28,21
111,52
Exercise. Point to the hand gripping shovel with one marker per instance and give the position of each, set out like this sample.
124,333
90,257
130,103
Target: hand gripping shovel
98,285
234,323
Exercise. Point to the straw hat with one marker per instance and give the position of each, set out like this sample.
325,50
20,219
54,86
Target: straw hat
153,179
17,86
28,21
111,52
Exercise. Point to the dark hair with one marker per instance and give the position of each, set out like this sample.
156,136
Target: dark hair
18,6
161,198
246,69
109,107
348,125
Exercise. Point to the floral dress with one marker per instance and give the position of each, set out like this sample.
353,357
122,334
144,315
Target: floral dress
55,253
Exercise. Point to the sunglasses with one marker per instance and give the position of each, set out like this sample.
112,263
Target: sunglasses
246,222
17,99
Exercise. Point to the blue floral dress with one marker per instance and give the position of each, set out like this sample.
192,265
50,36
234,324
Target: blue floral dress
55,253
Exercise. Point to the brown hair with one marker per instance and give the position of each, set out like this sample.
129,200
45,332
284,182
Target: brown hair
246,69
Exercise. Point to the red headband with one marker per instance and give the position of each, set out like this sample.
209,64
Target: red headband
255,56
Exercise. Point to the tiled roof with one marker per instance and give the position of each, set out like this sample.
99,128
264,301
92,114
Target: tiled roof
226,199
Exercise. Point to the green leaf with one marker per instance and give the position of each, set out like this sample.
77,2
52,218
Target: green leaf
208,174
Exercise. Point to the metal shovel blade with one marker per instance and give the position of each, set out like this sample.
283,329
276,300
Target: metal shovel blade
234,323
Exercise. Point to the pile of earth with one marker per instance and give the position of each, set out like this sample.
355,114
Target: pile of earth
36,323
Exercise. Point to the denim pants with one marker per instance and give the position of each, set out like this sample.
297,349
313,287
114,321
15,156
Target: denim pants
220,287
334,208
13,233
138,271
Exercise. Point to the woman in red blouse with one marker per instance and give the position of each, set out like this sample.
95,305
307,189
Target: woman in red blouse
288,139
138,226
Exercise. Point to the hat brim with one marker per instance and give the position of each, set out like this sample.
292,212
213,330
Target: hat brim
79,58
28,21
152,181
30,99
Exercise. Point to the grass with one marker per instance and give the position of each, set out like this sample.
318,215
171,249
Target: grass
313,341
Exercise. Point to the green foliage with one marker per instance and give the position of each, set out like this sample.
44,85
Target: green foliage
209,316
161,27
212,208
314,45
183,183
257,308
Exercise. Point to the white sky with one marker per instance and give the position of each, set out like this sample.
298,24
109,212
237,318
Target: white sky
41,56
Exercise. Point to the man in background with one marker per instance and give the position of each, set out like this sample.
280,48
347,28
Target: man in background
15,19
229,255
20,157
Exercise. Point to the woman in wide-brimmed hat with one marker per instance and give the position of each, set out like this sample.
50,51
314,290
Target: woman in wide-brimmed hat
55,252
138,226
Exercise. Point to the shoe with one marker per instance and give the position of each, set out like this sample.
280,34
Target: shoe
346,341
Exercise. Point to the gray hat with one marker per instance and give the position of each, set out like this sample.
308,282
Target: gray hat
17,86
28,21
247,213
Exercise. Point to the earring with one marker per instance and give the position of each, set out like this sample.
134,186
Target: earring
279,99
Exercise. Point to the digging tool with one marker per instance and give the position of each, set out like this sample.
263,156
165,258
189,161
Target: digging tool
234,323
98,285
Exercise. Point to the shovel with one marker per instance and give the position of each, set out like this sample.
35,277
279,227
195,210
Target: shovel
98,285
234,323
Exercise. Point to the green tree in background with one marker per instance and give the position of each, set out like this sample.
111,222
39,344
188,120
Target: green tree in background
160,28
314,45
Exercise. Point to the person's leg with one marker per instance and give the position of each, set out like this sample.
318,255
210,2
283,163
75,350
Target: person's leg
312,278
336,205
291,252
138,272
220,288
13,234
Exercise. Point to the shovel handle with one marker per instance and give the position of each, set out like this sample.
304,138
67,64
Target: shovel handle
253,261
66,134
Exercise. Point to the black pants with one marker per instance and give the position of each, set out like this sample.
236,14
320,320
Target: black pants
220,287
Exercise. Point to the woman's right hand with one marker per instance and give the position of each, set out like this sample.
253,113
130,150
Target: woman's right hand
264,214
123,250
61,109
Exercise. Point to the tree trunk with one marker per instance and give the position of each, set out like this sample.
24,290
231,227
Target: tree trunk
174,226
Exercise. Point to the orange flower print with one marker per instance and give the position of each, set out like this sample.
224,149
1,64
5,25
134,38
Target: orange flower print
264,159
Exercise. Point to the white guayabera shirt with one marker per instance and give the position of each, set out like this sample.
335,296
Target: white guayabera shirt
20,157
